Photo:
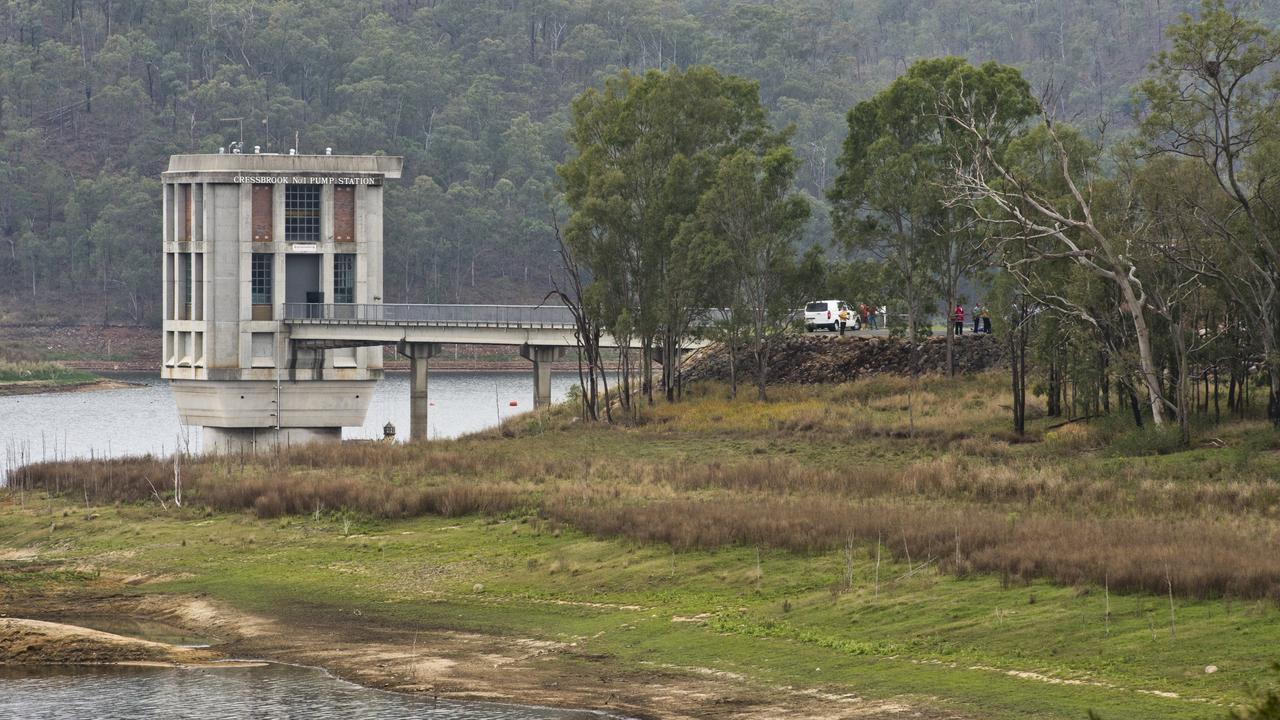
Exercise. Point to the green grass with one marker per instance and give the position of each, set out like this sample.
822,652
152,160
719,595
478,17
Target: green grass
45,372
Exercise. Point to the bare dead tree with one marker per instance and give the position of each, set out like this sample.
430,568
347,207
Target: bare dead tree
567,286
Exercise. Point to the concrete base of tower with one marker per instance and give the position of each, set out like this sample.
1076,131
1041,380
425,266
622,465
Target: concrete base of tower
236,441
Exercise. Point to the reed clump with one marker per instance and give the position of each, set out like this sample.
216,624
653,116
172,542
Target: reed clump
265,490
23,371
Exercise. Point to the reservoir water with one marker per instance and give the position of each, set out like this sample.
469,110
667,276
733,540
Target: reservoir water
268,692
144,419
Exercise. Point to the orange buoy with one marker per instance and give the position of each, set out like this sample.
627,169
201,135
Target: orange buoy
513,403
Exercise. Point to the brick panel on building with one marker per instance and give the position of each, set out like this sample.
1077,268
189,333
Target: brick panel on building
261,213
344,214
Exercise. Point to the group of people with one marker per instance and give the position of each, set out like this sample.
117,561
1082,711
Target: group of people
871,315
981,319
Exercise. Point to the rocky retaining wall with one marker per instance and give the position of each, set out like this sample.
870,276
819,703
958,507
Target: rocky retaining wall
809,359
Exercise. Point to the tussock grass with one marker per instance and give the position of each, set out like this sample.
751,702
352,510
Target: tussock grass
286,485
1197,557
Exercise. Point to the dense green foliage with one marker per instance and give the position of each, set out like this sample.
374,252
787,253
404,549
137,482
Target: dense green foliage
888,200
681,199
94,95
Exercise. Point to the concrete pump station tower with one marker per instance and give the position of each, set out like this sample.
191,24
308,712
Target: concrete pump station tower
245,236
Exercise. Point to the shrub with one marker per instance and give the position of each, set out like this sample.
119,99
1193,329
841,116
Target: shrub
1147,440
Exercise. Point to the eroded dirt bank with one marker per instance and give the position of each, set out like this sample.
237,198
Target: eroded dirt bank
24,641
441,663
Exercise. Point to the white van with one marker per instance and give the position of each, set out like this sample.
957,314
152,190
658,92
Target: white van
826,314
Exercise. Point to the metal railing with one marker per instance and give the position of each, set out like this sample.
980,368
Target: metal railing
490,315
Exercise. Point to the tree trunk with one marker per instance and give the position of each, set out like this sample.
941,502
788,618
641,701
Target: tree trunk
1135,405
1184,380
1017,368
1273,369
733,366
1053,391
761,352
1146,363
951,330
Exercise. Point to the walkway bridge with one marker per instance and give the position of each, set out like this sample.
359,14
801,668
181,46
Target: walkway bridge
542,333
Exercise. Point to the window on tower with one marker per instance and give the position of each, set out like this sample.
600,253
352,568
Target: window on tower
302,213
344,278
260,278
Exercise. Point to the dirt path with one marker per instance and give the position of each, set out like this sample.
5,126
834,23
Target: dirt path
441,663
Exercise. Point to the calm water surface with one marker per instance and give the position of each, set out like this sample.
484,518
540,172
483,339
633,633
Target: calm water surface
137,420
267,692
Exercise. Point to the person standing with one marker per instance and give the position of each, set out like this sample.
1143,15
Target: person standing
957,319
986,320
863,312
977,316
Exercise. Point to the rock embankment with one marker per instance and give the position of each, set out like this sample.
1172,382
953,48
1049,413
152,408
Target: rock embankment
811,359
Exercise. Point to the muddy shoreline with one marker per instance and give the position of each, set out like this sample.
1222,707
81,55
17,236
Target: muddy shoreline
442,663
42,387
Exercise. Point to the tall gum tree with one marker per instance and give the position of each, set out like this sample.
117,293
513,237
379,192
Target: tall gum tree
647,149
1214,96
747,224
1049,213
889,199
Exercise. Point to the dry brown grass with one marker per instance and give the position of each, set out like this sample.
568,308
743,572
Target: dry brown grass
272,489
1199,557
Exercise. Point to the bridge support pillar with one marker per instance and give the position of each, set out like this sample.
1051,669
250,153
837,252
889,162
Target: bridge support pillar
418,354
542,357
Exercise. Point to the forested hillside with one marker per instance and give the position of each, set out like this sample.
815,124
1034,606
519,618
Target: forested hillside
95,94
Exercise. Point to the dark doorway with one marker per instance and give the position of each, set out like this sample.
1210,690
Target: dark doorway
301,277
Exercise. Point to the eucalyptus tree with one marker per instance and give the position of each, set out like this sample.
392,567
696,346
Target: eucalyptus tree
1048,207
749,220
889,199
648,148
886,200
1214,97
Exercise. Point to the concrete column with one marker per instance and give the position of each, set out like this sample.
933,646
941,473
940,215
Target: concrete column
542,357
419,354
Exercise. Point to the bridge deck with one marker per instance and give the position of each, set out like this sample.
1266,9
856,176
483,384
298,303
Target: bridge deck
333,325
506,316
